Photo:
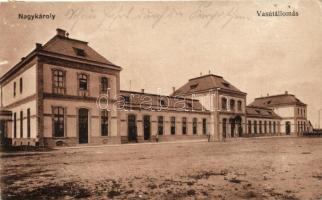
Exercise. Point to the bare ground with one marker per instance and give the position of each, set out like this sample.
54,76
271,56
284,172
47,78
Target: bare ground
275,168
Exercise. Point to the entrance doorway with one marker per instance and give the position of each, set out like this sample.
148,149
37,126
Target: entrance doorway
238,122
83,125
288,128
232,127
224,128
147,127
132,129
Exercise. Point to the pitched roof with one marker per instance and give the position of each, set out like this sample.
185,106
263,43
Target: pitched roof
205,83
260,112
277,100
64,45
146,101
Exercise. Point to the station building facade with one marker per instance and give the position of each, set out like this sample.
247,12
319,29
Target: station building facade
293,112
64,93
262,121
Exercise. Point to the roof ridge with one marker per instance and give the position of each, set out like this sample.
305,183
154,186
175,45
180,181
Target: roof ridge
277,95
68,38
174,97
203,76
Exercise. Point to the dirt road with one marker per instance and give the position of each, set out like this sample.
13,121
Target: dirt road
275,168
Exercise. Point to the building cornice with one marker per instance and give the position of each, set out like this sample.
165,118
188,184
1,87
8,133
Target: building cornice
39,52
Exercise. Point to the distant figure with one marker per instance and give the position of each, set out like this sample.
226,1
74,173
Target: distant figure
208,136
157,137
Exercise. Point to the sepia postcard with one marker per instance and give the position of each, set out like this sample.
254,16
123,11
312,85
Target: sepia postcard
161,100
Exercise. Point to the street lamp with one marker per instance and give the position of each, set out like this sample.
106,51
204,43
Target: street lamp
320,117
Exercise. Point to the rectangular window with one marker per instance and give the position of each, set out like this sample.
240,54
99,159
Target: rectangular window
184,125
194,125
14,89
260,127
20,84
104,84
173,125
249,127
15,125
160,125
21,124
204,126
265,127
83,80
28,123
104,123
58,82
270,126
58,121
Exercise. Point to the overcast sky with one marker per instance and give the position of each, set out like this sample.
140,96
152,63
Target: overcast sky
161,45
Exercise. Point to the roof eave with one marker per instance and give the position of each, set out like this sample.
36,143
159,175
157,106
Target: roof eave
16,67
75,59
209,90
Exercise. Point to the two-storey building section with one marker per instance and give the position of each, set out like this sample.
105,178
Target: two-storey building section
52,93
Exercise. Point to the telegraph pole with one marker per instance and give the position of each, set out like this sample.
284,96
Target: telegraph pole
320,118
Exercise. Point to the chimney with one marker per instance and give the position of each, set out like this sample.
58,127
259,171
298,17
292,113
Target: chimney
61,32
286,92
200,73
173,89
267,94
22,58
38,45
142,90
209,72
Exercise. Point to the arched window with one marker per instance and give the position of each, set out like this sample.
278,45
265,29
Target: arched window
204,126
239,105
104,123
184,125
160,125
274,127
224,127
232,105
288,127
249,127
194,126
223,103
